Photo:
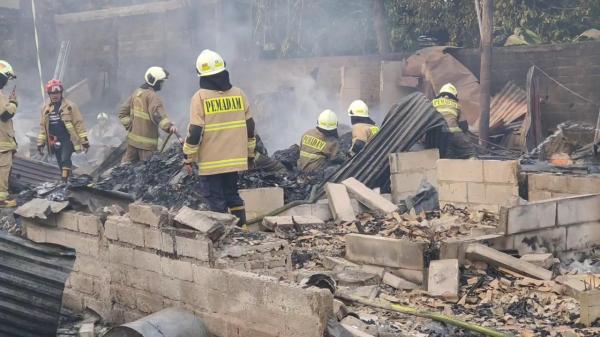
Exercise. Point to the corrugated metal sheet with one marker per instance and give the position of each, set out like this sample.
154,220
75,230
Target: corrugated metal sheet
33,172
407,122
32,280
507,106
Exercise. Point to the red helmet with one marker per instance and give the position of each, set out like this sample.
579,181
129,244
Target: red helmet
54,86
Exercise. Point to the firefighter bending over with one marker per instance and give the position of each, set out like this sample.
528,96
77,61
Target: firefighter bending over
363,127
319,147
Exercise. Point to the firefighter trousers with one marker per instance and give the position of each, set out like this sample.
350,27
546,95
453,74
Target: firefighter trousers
459,147
133,154
63,155
6,159
220,191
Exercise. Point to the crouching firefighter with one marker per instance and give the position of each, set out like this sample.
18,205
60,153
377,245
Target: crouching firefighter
61,129
457,144
143,114
319,147
8,145
220,136
363,127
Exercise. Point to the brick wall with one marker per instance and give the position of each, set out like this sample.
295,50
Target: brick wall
477,184
408,169
576,65
556,225
132,266
543,186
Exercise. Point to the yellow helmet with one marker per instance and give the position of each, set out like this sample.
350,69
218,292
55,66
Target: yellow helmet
7,70
209,63
449,88
358,108
155,74
327,120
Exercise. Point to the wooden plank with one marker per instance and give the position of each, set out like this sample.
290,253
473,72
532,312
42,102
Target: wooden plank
479,252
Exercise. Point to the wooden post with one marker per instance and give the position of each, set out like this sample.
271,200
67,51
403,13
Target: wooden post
379,26
485,74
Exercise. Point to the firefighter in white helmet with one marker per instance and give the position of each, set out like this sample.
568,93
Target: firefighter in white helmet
363,127
8,145
457,145
143,114
220,136
319,147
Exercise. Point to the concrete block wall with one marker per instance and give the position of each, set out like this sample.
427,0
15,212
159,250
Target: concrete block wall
132,266
544,186
555,225
408,169
478,184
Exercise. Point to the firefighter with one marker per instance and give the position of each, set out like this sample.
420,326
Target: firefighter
363,127
8,145
319,147
143,114
220,136
61,129
446,103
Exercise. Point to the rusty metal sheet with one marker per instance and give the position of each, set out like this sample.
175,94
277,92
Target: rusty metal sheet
32,281
507,106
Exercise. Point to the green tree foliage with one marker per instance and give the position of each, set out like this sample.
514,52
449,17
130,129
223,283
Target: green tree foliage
290,28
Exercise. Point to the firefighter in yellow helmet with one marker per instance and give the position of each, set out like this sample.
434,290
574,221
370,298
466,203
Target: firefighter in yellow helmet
363,127
143,114
8,145
220,136
319,147
61,129
458,145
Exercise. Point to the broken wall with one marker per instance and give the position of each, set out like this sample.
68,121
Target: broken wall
478,184
556,225
409,169
138,264
543,186
575,65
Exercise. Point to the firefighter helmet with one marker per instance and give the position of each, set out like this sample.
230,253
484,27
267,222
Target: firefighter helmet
54,86
327,120
358,108
155,74
449,88
7,70
209,63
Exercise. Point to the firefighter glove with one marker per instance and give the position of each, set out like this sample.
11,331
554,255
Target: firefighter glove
40,148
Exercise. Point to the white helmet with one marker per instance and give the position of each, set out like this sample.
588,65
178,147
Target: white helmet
155,74
102,116
7,70
449,88
358,108
327,120
209,63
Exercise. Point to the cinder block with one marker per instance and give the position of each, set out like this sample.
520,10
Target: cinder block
538,195
72,300
90,266
385,252
590,307
443,278
88,223
146,261
200,249
454,248
546,182
261,201
82,243
131,233
541,241
148,303
104,309
368,197
67,220
502,172
152,238
583,236
405,184
178,269
120,255
457,170
111,224
483,193
578,210
123,295
151,215
452,192
339,203
34,233
534,216
398,282
578,185
82,283
171,288
404,162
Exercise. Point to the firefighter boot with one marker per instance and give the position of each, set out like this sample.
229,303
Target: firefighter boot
66,173
240,213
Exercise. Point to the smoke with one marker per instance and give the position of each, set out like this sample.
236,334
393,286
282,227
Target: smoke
286,96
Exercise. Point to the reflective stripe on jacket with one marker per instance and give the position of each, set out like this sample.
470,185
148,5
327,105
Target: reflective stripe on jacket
450,110
71,116
142,115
